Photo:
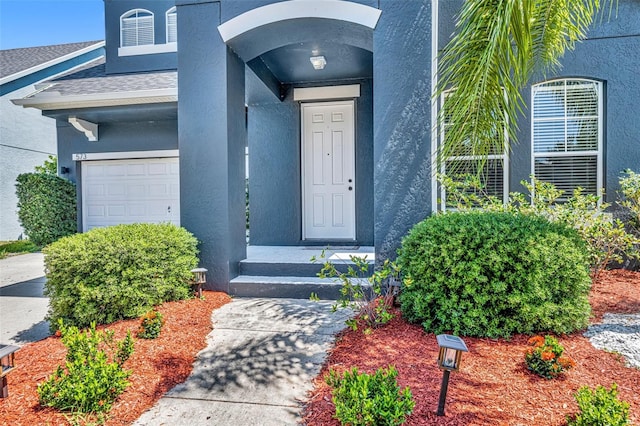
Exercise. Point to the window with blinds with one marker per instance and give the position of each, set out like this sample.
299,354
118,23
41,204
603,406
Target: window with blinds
567,134
172,25
493,175
136,28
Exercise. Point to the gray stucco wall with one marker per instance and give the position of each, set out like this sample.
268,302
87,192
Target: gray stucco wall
26,140
212,135
275,170
149,62
114,137
402,121
609,54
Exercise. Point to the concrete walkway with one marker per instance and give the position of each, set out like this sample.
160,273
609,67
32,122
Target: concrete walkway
22,303
261,358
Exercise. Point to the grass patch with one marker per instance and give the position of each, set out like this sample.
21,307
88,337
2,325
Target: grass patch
16,247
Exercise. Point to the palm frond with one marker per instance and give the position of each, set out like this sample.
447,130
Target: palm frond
496,48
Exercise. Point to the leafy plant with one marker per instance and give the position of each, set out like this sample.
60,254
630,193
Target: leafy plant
46,207
92,377
21,246
49,167
600,407
368,295
119,272
630,200
150,325
606,238
493,274
544,357
362,399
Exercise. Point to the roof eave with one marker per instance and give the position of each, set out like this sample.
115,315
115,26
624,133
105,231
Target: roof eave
55,101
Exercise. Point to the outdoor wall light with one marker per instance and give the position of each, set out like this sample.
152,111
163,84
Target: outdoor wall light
7,364
451,348
318,62
199,278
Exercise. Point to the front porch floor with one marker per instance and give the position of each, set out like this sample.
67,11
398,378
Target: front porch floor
303,254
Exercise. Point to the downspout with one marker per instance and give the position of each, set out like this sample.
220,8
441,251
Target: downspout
434,104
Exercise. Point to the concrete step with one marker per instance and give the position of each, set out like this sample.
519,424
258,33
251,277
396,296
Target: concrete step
290,269
293,287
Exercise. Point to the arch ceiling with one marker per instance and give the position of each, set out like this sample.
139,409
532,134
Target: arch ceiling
278,39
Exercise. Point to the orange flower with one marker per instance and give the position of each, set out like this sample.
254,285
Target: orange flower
58,333
547,356
536,341
566,362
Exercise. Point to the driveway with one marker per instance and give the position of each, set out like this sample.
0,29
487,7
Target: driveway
22,303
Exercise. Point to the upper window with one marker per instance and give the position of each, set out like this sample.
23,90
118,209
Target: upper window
172,25
494,173
567,134
136,28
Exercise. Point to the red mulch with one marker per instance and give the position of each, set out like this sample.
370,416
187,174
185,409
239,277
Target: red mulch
157,365
493,386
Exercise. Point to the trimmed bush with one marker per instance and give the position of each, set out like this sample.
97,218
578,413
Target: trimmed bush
93,376
370,399
494,274
600,407
119,272
46,207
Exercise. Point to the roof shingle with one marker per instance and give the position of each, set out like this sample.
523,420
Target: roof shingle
13,61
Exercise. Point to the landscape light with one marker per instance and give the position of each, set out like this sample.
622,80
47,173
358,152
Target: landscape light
449,357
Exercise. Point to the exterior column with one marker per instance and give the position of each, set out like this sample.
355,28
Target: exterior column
402,121
212,139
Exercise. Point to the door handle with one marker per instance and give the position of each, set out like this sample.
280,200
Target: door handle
351,188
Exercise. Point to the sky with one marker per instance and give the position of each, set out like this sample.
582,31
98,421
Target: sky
30,23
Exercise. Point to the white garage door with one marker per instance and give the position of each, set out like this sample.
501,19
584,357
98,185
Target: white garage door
130,191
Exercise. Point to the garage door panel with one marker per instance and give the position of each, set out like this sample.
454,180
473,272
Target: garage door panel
92,170
115,170
130,191
158,190
136,170
96,211
158,169
117,210
116,189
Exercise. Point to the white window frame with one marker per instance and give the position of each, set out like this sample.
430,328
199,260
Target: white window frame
172,12
133,15
442,204
598,153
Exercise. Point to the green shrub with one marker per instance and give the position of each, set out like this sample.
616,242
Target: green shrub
600,407
494,274
369,295
22,246
607,240
93,376
544,357
630,200
108,274
46,207
364,399
150,325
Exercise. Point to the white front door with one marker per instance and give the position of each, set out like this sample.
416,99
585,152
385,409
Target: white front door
328,171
